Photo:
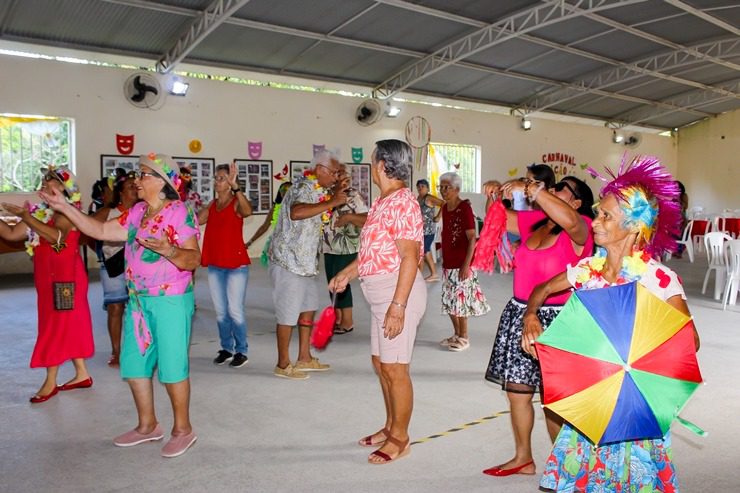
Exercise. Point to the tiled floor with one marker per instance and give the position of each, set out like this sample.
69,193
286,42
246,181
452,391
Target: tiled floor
259,433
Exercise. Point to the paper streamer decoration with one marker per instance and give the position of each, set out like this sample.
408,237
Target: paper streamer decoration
317,148
125,144
195,146
357,155
418,132
254,149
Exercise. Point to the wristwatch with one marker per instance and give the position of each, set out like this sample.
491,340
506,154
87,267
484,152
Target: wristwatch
235,190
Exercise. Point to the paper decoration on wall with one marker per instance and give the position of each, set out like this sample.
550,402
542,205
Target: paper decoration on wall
283,175
254,149
418,132
195,146
456,166
357,155
583,166
317,148
513,171
125,144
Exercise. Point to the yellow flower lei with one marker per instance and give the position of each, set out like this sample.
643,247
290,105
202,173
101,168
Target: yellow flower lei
326,215
633,267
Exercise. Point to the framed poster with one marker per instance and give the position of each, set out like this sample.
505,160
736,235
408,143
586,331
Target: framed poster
359,179
110,162
202,171
255,179
297,168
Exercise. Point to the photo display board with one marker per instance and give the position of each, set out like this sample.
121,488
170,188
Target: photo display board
361,181
109,163
202,171
255,179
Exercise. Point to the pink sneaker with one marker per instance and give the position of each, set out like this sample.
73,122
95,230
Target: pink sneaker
178,445
133,437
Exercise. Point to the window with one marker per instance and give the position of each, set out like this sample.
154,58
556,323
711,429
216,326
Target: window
28,143
461,159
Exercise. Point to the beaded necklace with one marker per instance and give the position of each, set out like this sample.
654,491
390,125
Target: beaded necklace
311,177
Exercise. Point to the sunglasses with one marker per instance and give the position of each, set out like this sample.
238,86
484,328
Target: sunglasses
564,184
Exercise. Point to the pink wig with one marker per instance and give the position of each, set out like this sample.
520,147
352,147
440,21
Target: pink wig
649,197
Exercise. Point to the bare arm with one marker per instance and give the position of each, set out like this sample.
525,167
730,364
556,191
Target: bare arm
16,232
243,206
356,219
263,227
338,283
394,317
563,215
203,214
304,211
532,326
107,231
465,269
680,304
50,233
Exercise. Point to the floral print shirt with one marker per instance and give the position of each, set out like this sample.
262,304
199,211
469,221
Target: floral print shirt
295,243
395,217
147,272
344,240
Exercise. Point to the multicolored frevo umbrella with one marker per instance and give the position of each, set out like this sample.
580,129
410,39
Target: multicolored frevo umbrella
618,363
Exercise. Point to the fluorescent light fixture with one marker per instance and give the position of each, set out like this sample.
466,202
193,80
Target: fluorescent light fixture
617,137
179,88
393,111
526,123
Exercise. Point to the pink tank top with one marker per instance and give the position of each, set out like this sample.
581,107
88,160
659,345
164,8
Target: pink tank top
533,267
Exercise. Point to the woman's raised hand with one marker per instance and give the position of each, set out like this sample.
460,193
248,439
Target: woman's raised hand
54,198
232,175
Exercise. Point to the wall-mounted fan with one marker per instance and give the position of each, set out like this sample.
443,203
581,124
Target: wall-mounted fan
143,90
633,140
369,112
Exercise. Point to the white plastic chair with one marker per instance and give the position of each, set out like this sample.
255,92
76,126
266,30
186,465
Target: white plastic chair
687,241
717,257
699,239
733,273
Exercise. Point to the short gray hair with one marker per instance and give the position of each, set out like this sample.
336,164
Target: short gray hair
325,157
397,156
453,178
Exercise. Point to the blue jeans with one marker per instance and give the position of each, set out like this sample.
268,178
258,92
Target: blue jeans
228,291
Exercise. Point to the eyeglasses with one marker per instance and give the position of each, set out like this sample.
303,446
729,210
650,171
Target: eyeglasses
220,178
330,170
142,174
445,187
564,184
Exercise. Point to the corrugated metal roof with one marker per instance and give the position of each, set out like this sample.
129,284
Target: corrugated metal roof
579,64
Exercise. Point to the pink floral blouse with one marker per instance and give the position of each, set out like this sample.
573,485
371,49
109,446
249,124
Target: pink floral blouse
147,272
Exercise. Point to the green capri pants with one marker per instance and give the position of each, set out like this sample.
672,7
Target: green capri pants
169,319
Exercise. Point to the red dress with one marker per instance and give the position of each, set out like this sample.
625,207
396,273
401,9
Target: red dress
63,334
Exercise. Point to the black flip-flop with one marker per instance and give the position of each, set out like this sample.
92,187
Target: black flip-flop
343,330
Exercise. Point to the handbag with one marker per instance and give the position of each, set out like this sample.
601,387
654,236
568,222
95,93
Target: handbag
115,264
64,295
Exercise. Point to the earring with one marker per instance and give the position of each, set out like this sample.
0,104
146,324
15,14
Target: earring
161,195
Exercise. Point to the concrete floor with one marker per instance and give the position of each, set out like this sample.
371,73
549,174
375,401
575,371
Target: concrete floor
259,433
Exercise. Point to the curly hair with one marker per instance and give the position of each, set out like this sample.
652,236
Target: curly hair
397,156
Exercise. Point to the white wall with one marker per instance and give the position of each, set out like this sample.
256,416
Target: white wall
225,116
709,162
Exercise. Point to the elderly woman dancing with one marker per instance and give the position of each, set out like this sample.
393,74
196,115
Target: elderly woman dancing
636,221
390,251
65,326
161,251
556,235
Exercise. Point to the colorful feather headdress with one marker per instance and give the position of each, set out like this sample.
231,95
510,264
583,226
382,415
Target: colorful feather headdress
649,196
